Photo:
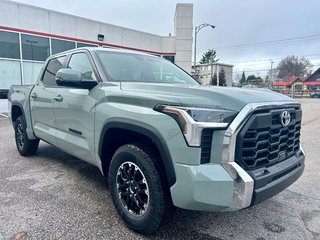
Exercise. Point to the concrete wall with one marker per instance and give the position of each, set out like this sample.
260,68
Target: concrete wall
183,29
25,17
205,72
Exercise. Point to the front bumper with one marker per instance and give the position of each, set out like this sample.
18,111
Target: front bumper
210,187
272,180
226,185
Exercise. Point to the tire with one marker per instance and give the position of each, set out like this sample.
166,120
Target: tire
137,188
25,146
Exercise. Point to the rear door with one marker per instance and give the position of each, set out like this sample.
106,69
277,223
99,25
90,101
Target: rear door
74,114
42,99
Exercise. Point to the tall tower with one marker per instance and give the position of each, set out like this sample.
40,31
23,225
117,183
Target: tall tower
183,29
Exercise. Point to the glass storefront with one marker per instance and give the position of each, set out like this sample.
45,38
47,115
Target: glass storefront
30,52
58,45
9,45
170,58
35,48
22,56
31,72
79,45
10,73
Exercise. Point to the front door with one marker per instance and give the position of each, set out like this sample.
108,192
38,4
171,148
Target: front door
74,113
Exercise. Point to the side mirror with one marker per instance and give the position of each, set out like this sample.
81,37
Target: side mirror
72,78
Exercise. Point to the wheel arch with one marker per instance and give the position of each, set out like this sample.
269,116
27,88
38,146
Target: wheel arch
16,111
133,129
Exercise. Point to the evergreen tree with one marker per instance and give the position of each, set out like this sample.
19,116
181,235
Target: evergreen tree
243,80
252,79
222,78
208,56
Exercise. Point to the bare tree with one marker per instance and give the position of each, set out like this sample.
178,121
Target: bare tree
294,66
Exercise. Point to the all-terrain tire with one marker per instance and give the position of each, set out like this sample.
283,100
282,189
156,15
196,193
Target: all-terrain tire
25,146
134,170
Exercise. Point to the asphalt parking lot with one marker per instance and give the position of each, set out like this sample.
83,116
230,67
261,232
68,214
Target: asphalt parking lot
55,196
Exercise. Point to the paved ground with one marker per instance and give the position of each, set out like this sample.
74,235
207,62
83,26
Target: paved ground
3,105
55,196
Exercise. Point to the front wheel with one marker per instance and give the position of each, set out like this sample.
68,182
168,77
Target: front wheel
25,146
137,188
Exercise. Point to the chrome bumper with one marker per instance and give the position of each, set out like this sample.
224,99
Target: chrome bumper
243,182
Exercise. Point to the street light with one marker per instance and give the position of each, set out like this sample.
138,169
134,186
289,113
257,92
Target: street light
196,30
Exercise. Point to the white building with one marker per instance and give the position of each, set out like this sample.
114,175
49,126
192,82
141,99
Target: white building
205,72
28,35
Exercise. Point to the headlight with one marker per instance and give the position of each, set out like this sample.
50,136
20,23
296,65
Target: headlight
192,120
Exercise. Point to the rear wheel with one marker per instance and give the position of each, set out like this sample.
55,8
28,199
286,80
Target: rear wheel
25,146
137,189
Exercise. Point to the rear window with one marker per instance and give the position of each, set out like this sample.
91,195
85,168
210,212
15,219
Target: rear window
54,65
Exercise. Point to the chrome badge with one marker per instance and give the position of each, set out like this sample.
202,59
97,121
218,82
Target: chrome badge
285,118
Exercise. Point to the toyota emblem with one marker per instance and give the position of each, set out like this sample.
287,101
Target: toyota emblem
285,118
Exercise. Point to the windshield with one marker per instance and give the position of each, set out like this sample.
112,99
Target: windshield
133,67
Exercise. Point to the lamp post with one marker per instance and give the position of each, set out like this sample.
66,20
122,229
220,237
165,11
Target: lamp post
196,30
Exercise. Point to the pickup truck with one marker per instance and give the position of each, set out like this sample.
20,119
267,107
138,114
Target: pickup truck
162,139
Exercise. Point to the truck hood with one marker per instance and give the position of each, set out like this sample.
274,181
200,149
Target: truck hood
202,95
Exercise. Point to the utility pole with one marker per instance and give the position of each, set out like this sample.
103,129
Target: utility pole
271,75
211,60
218,74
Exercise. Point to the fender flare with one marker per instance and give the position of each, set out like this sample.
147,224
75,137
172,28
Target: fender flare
148,131
16,104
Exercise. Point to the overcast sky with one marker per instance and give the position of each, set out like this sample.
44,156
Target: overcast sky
237,23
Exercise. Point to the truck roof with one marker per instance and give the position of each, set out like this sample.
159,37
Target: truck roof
93,49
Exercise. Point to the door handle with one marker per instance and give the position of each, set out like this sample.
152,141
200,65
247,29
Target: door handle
58,98
34,95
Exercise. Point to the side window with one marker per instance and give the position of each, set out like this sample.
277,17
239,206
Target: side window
80,61
54,65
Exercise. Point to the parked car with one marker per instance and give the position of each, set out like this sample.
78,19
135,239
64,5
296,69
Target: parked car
162,139
4,93
315,94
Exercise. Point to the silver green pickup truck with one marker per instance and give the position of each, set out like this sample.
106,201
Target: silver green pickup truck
162,139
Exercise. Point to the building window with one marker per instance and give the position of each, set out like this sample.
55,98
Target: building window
31,72
9,45
35,48
54,65
58,45
10,73
170,58
79,45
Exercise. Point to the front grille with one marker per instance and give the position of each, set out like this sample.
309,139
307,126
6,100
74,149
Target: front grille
206,140
263,141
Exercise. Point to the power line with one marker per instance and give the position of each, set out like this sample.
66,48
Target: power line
270,42
271,59
263,70
304,38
